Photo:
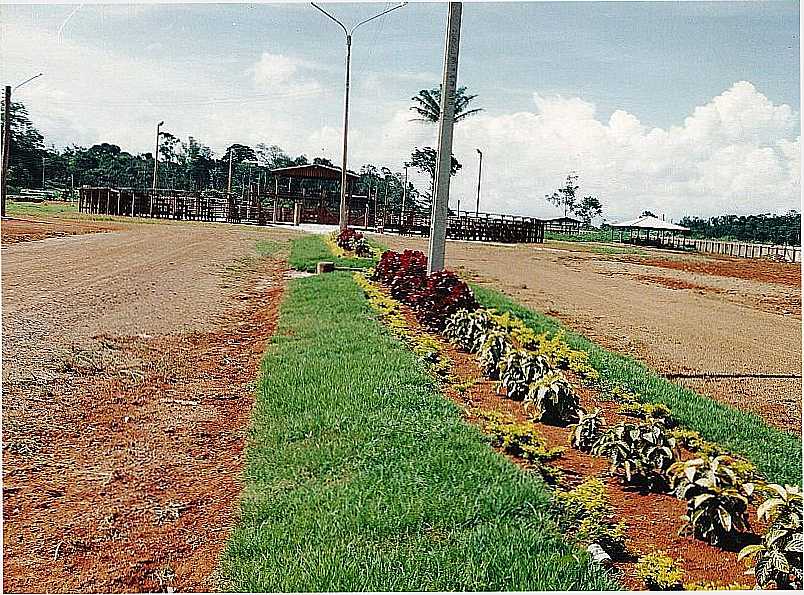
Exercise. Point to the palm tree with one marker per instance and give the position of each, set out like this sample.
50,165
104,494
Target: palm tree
428,105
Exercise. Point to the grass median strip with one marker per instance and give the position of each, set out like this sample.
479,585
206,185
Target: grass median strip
307,251
777,454
362,476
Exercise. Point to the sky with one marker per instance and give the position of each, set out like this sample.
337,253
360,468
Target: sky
682,108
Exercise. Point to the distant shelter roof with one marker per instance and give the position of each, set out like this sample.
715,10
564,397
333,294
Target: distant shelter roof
562,220
649,222
314,171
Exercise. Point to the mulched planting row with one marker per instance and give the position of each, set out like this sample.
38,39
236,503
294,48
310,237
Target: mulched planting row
653,519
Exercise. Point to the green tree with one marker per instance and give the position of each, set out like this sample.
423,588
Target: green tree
588,209
565,198
424,161
27,148
427,103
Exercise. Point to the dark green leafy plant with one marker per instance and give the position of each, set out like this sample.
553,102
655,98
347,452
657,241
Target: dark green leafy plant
586,432
553,400
638,453
716,503
468,329
518,370
778,560
495,347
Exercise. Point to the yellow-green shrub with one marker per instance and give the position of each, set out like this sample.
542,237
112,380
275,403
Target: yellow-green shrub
659,571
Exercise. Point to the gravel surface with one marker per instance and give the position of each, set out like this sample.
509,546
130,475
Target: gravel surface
723,343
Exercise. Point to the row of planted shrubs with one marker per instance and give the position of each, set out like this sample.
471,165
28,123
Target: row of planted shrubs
716,486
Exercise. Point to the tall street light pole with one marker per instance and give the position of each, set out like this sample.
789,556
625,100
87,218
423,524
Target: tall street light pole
343,217
5,158
438,220
156,155
404,194
156,168
479,173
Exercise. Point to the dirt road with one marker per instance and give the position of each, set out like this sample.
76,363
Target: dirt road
19,229
129,361
737,339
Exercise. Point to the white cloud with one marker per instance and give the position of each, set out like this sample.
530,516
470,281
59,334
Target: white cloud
278,72
739,153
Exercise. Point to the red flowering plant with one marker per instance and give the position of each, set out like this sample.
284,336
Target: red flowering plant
443,295
434,298
353,241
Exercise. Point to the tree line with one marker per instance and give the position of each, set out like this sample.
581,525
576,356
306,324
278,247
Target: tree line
766,228
183,165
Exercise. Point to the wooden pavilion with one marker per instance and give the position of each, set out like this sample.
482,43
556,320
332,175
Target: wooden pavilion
649,225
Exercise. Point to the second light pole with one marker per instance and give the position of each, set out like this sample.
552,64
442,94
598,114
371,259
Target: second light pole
479,173
344,217
156,169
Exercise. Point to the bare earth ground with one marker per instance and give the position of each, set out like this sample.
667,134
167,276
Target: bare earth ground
25,229
129,361
727,327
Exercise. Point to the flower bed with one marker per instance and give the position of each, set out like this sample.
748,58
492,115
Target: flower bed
643,449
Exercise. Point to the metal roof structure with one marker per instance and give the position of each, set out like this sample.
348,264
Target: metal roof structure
314,171
649,222
562,218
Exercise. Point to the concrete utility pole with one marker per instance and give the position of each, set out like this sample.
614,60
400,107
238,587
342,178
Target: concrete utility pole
344,216
479,172
6,149
438,221
43,173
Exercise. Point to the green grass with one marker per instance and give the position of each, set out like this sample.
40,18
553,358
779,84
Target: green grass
584,236
270,247
616,250
777,454
307,251
14,207
361,476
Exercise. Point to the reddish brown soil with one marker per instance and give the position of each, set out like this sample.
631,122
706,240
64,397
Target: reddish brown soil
653,519
28,230
752,269
741,346
675,283
127,478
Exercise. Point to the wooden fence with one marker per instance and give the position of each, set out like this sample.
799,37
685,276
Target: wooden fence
298,208
485,227
740,249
